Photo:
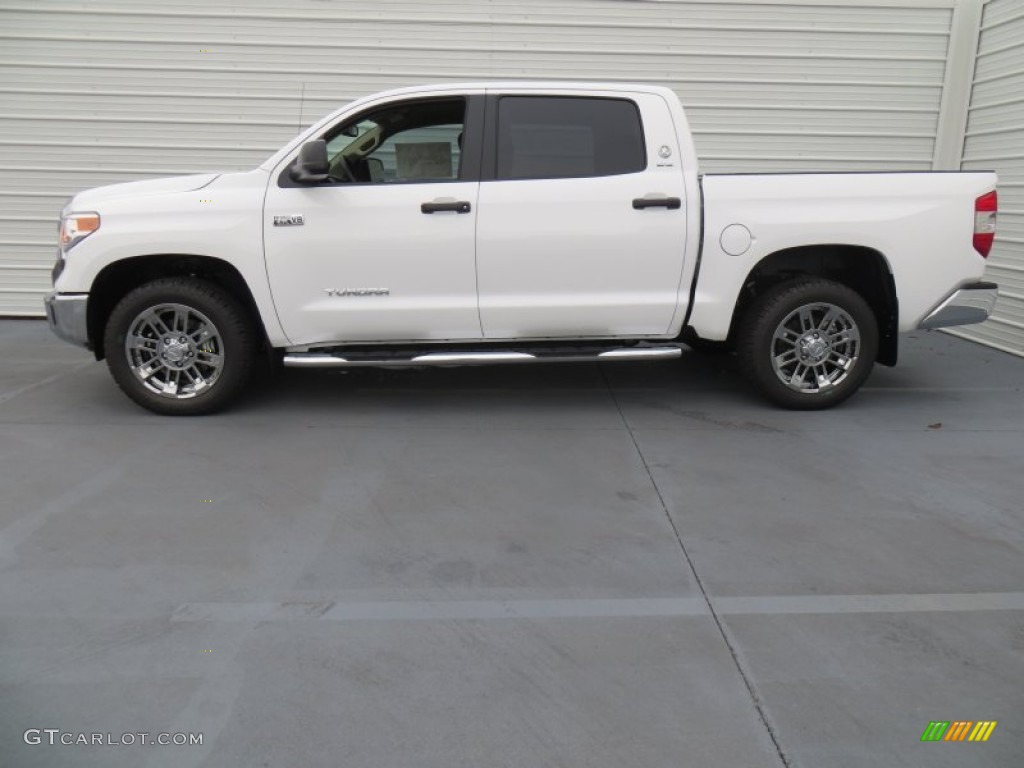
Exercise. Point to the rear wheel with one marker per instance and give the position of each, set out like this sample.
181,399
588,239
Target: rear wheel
808,344
180,346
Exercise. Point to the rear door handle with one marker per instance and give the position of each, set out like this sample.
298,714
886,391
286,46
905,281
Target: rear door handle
436,206
672,203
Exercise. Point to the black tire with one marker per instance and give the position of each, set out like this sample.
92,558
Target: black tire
843,358
206,385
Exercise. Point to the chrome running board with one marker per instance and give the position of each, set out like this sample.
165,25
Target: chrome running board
327,360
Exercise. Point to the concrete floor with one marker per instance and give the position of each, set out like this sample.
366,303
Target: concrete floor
629,565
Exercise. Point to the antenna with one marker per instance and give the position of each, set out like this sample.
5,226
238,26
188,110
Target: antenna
302,102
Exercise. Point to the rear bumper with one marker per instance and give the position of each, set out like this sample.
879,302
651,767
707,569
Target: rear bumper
66,313
971,304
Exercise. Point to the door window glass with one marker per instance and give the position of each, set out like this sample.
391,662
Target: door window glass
545,137
407,142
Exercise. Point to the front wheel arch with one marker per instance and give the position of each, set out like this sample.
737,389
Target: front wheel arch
119,278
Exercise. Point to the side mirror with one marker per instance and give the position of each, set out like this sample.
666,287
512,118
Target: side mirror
312,165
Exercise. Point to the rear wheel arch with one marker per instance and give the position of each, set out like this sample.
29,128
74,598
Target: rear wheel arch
864,270
118,279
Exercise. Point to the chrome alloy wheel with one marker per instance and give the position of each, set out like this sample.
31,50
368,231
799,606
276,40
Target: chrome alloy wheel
174,351
815,347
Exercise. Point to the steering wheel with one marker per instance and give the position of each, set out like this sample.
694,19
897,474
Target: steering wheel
346,169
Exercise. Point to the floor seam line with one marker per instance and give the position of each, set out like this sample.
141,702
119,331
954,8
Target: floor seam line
7,397
755,697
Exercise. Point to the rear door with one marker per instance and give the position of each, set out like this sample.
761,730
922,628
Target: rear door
581,227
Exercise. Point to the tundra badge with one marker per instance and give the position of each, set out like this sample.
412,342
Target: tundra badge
357,291
295,220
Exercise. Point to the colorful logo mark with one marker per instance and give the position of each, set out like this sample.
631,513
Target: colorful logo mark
959,730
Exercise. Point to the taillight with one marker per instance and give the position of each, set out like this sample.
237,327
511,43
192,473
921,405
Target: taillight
985,222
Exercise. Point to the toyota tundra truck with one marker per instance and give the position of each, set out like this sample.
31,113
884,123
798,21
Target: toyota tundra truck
503,223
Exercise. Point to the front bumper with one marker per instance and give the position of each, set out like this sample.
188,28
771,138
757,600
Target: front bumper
66,313
971,304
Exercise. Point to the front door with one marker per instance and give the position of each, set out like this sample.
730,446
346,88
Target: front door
384,249
582,226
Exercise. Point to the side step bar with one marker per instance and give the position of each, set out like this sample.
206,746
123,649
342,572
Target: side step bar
322,360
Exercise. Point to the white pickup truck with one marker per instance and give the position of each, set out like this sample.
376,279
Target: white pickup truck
513,223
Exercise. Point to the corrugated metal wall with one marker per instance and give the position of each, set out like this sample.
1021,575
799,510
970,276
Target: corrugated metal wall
99,92
995,140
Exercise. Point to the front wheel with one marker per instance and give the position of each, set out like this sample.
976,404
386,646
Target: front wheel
808,344
180,346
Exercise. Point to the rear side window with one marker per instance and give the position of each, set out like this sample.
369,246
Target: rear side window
559,137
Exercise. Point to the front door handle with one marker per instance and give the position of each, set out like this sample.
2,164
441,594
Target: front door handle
435,206
672,203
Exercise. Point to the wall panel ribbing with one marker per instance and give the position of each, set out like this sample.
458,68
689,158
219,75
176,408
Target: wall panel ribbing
101,92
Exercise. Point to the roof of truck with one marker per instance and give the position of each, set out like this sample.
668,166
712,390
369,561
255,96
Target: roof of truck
538,85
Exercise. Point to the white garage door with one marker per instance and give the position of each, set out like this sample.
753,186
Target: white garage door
107,91
995,140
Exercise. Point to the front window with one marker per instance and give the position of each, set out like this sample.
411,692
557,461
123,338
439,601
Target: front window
419,141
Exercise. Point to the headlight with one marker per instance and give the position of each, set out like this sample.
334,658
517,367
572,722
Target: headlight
75,227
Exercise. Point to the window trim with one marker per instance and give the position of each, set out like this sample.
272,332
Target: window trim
489,165
472,145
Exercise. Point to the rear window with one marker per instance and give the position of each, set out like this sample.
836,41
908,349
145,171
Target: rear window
559,137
